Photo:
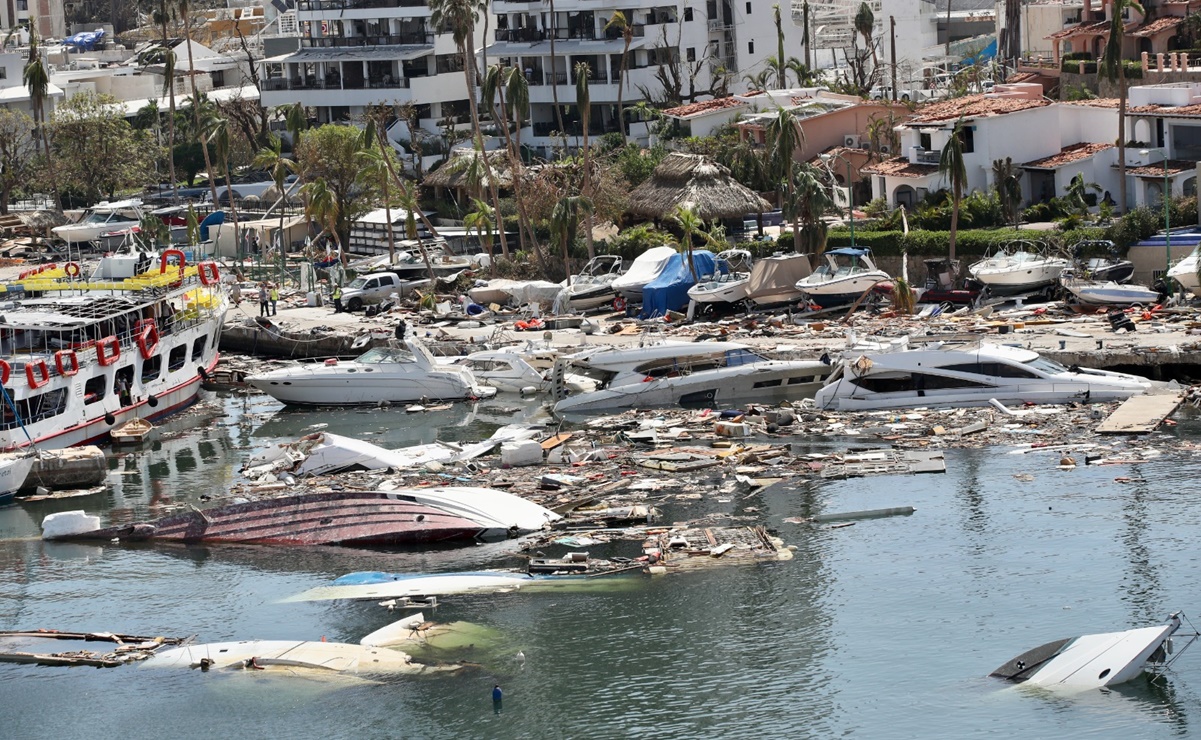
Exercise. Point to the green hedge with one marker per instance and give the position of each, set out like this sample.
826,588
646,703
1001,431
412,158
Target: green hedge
968,242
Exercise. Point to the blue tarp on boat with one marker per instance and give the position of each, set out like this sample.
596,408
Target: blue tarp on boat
669,291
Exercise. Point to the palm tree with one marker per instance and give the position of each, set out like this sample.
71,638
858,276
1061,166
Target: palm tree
781,65
296,120
186,11
813,202
803,74
217,128
565,222
1008,181
1113,68
321,205
759,81
784,137
374,167
618,21
690,224
497,81
482,221
165,55
583,103
271,157
865,25
952,167
459,17
1077,191
408,200
37,81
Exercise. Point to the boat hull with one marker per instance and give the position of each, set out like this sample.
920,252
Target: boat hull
1024,279
345,385
1112,294
841,291
731,291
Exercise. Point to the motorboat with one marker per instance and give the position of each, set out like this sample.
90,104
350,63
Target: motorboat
1108,268
847,275
102,218
1095,293
411,264
645,268
1185,272
339,517
593,287
730,284
898,374
1097,661
508,371
83,354
14,469
773,280
390,374
689,374
941,281
669,290
132,431
517,292
293,657
1020,267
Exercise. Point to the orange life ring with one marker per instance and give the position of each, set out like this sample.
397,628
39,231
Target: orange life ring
103,355
66,362
35,369
209,274
147,334
72,269
619,303
5,372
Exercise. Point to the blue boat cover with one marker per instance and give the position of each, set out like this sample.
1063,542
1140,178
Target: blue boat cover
213,219
669,290
848,251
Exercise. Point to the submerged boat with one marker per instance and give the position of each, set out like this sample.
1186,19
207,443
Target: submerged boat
847,275
1020,267
646,267
100,220
593,287
692,374
381,375
875,376
773,280
730,284
346,517
1096,661
82,356
292,656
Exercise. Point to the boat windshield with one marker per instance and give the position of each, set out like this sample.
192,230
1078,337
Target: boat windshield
97,218
381,355
1044,365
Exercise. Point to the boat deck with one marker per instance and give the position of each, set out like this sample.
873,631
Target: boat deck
1141,414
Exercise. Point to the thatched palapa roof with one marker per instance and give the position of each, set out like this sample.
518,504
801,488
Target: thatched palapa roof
453,172
694,181
34,221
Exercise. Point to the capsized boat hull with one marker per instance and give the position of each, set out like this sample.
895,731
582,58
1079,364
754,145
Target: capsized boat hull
334,657
348,384
1110,293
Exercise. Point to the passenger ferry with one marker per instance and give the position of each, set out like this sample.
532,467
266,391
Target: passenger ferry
80,355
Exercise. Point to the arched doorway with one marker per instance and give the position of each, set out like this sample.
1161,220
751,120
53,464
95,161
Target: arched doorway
906,196
1154,194
1190,187
1145,46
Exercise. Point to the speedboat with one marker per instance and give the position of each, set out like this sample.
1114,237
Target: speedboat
1096,661
1105,292
593,287
730,284
381,375
14,469
646,268
773,280
847,274
102,218
518,292
1109,268
508,371
892,375
1184,272
689,374
1021,267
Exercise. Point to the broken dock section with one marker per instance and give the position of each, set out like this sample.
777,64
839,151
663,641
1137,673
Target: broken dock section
1141,414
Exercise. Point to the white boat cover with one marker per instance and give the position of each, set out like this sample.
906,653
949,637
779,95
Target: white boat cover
775,278
646,268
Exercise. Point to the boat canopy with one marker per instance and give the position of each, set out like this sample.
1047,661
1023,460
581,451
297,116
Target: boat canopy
775,274
849,252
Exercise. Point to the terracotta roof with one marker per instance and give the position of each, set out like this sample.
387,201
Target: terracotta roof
971,106
1159,25
1071,153
1167,110
1175,167
900,167
705,106
1082,28
1021,77
1094,102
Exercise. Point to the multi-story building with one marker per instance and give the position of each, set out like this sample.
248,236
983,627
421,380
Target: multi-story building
47,17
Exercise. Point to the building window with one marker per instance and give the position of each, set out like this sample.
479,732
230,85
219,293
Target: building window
688,14
750,47
691,54
3,73
748,7
968,139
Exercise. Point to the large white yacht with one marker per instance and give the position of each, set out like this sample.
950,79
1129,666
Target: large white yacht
381,375
102,218
946,374
690,374
847,274
1021,267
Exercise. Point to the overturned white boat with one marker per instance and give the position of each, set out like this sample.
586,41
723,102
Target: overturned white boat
894,374
293,655
1096,661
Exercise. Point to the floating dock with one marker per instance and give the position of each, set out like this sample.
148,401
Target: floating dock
1141,414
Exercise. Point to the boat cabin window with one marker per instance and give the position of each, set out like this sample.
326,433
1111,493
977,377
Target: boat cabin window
152,368
741,356
915,382
34,409
994,369
487,365
178,357
198,349
386,354
1048,366
95,388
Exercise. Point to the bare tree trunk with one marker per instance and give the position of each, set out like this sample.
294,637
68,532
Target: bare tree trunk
468,70
208,162
171,127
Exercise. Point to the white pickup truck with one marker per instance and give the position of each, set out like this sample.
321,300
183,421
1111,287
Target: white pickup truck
375,288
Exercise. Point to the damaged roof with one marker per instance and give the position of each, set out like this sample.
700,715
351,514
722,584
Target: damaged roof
972,106
1067,155
705,106
901,167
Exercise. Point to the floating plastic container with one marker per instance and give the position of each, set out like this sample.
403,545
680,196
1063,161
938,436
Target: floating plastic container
732,429
520,454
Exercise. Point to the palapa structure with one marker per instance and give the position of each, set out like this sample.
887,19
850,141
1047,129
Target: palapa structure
455,172
696,182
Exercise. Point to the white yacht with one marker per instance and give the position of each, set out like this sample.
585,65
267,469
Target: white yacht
382,375
1096,293
646,268
508,370
102,218
945,374
1185,273
730,285
690,374
593,287
847,274
1021,267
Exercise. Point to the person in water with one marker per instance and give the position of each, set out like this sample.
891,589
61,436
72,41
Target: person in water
497,696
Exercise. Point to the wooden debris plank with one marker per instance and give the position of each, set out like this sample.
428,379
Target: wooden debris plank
1141,414
553,442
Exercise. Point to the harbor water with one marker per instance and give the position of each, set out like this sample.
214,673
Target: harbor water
884,629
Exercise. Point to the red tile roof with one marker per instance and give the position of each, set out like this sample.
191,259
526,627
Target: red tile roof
1068,154
900,167
1094,102
1159,25
705,106
1167,110
1083,28
1175,167
971,106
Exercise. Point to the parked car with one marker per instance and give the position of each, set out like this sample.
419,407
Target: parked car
374,288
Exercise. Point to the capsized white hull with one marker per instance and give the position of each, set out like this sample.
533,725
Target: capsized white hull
333,657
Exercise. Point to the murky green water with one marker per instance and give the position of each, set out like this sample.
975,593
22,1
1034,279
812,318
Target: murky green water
885,629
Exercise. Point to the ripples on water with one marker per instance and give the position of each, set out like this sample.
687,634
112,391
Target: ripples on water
883,629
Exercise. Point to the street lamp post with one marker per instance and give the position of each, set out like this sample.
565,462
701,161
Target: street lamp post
850,198
1167,216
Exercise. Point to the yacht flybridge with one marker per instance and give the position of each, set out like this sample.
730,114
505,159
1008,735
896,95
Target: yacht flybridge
892,375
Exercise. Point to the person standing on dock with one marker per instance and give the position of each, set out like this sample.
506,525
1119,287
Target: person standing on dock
274,297
337,299
497,697
263,309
